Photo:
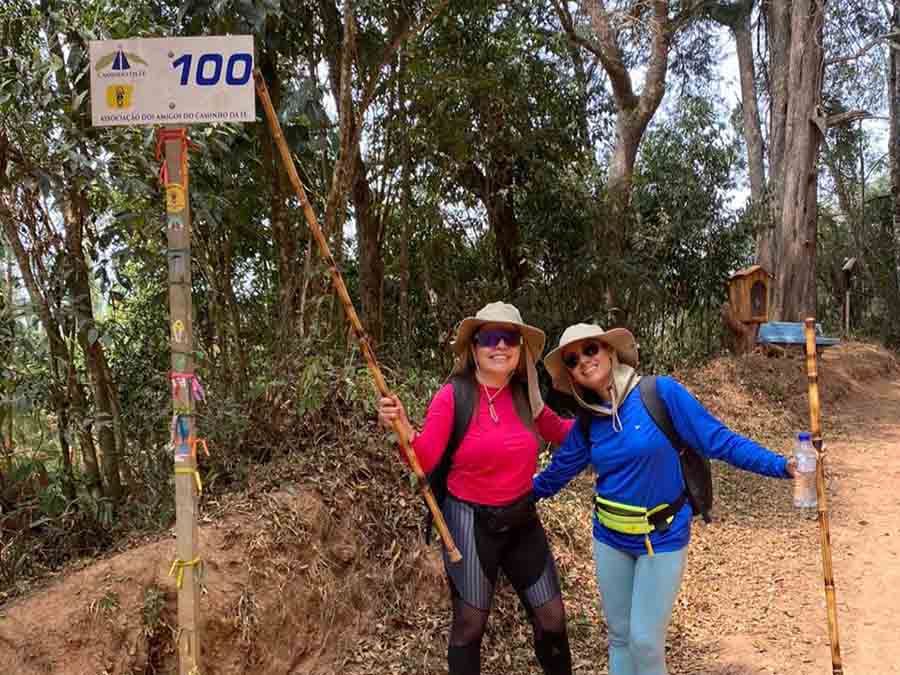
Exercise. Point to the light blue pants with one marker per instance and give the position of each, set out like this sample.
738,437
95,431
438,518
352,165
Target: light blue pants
638,595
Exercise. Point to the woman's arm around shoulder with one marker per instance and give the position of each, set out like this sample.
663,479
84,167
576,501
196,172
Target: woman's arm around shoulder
570,460
701,430
552,427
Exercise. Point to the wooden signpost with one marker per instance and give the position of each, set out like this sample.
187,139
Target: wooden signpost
173,150
177,81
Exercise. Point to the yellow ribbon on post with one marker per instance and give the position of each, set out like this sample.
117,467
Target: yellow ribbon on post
188,470
177,569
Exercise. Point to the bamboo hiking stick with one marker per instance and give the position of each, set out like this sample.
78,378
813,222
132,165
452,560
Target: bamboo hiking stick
824,532
352,317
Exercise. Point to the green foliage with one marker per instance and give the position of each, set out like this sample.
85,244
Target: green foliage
687,239
152,611
105,604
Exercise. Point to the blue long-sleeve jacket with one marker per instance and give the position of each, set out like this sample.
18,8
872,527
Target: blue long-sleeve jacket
638,466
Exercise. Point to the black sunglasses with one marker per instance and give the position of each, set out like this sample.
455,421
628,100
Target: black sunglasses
590,349
491,338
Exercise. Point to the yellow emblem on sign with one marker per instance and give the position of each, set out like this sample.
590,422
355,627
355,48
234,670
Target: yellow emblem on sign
119,95
174,198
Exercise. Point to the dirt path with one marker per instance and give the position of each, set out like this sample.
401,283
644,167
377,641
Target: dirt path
867,534
865,530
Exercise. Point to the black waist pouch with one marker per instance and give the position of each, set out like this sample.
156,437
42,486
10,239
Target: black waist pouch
498,519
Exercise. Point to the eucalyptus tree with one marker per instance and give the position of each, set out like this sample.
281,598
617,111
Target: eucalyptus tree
635,40
893,95
816,73
7,356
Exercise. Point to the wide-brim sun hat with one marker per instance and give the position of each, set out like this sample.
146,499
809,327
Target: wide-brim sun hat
498,312
620,339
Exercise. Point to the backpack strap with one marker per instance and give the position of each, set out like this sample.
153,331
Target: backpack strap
521,403
658,410
583,422
465,398
694,466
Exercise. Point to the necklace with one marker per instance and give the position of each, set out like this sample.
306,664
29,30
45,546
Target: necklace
490,400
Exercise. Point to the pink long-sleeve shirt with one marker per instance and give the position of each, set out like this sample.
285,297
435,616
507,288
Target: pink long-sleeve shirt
495,462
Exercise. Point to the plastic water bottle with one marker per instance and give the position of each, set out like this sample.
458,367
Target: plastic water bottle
805,478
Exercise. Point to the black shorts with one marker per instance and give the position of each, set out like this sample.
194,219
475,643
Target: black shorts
521,552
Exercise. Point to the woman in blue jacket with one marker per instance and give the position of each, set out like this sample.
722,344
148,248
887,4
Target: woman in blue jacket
639,565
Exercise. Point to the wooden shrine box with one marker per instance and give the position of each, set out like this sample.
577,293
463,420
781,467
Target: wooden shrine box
748,294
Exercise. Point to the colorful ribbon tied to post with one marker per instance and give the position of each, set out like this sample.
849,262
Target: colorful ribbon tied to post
190,383
163,135
196,474
177,569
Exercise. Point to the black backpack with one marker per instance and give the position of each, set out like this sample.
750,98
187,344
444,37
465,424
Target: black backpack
465,398
695,467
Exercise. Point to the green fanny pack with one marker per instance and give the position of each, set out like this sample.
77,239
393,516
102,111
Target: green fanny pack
637,520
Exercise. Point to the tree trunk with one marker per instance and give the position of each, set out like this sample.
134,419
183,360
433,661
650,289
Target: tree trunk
77,281
73,212
404,319
750,105
633,110
7,342
60,405
284,228
493,187
59,355
304,287
583,77
752,129
794,294
780,46
505,224
894,150
612,232
370,238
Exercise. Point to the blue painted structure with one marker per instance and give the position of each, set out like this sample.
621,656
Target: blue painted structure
790,333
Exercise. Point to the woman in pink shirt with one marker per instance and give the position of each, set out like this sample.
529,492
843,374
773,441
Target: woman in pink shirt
488,506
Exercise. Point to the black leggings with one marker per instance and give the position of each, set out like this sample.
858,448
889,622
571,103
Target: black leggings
524,557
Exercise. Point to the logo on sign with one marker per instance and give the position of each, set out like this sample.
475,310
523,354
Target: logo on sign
121,61
119,95
119,64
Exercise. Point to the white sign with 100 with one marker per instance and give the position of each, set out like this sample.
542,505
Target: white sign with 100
192,80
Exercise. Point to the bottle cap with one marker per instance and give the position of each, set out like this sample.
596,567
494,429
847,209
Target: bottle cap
804,436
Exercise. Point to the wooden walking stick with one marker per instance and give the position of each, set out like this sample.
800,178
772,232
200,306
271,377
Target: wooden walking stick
824,531
352,317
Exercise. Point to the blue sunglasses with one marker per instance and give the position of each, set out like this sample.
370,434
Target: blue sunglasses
491,338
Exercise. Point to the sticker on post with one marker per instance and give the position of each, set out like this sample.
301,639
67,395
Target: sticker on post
181,438
175,201
178,331
176,267
182,452
175,221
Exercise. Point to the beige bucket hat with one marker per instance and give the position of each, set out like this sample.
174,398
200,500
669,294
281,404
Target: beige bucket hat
620,339
498,312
